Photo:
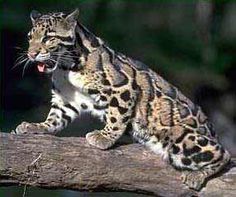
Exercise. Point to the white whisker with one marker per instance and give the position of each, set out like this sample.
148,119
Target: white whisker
52,60
19,58
26,64
19,63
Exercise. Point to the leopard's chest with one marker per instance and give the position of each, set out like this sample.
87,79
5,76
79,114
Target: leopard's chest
71,88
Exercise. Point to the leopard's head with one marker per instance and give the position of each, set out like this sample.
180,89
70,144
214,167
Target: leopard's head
50,38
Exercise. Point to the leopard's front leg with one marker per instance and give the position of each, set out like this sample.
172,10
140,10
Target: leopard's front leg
118,115
60,115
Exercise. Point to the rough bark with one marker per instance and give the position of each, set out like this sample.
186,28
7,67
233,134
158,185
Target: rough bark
70,163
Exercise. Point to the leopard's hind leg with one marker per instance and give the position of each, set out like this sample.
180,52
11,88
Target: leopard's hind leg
199,157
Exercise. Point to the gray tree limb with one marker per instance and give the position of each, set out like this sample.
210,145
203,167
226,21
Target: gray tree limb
70,163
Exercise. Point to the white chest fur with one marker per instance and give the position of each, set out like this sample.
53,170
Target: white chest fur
70,86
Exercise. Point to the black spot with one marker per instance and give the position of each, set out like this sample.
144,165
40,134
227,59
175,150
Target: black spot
175,149
103,74
125,96
115,128
166,138
106,82
100,107
53,114
106,133
212,143
164,130
67,118
135,85
55,106
191,137
202,142
84,106
182,136
186,161
122,110
113,120
47,124
54,123
93,91
203,157
164,144
114,102
191,151
133,113
125,119
108,92
154,142
103,98
72,108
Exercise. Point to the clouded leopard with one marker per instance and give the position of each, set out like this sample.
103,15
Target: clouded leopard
88,76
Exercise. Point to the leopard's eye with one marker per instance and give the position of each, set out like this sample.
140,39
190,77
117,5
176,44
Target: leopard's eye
45,39
52,48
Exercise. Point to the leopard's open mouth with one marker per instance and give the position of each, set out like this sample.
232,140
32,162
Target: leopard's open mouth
46,67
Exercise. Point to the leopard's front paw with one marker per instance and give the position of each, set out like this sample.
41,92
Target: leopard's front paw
194,179
26,127
96,138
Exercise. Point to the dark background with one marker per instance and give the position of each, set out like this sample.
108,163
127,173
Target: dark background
191,44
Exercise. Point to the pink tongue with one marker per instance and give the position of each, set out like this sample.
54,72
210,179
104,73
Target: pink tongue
41,67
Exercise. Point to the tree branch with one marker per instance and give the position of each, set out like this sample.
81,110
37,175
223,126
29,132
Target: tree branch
70,163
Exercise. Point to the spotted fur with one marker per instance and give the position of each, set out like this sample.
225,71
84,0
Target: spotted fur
88,76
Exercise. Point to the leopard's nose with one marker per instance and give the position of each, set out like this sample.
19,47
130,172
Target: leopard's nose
32,55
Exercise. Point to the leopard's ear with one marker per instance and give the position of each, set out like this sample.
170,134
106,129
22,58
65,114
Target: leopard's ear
72,17
34,15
